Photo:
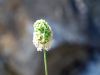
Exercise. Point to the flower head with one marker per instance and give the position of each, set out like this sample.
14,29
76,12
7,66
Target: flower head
42,35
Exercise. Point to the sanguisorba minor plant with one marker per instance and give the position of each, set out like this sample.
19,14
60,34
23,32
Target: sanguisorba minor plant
42,38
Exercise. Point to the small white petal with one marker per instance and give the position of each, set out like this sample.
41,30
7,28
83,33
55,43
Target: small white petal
39,49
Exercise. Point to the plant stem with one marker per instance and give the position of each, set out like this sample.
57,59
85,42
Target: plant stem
45,62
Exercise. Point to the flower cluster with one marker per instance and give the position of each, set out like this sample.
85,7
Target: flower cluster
42,35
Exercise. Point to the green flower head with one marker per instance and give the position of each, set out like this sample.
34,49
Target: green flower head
42,35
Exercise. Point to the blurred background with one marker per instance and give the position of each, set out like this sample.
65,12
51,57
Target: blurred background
76,42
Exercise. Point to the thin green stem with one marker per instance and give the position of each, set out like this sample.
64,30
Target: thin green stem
45,62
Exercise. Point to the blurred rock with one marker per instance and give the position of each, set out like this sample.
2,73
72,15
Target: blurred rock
75,24
66,60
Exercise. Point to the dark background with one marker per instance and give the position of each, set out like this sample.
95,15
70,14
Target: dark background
76,37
